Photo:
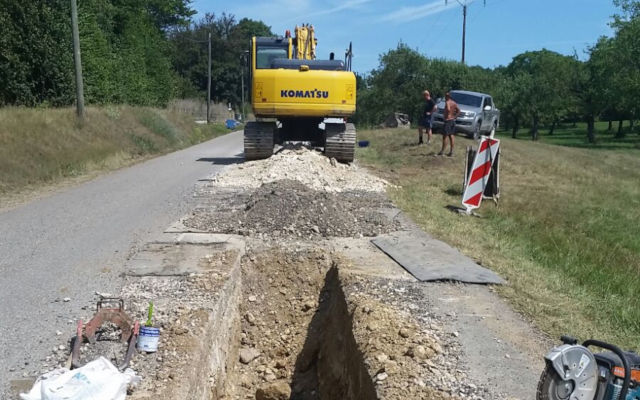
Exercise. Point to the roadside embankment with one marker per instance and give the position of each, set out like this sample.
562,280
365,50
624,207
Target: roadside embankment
42,146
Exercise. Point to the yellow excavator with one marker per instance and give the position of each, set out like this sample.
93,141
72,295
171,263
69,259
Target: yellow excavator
296,97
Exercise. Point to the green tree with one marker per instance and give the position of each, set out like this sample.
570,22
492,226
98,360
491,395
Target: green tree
397,84
35,57
124,50
625,51
512,95
229,41
548,94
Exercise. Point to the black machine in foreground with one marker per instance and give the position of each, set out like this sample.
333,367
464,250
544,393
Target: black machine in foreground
573,372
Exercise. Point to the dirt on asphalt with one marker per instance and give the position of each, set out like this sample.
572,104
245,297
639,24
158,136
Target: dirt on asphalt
288,208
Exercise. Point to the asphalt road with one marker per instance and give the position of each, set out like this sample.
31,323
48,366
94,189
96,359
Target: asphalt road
74,243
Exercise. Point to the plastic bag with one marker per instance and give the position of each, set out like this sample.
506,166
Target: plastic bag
97,380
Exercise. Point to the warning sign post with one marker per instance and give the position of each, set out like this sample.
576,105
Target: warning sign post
478,175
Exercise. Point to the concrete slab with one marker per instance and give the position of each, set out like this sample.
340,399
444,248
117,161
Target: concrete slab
429,259
367,259
182,254
199,238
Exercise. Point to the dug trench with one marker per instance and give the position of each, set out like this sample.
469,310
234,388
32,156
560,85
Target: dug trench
296,312
301,337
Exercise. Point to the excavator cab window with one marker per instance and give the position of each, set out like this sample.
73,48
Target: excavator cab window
266,55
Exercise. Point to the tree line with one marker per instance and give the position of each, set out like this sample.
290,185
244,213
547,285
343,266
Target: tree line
538,89
147,52
141,52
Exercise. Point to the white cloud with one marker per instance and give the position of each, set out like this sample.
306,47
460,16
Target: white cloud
271,11
405,14
347,5
344,6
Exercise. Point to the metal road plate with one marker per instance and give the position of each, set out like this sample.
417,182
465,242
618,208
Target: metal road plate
429,259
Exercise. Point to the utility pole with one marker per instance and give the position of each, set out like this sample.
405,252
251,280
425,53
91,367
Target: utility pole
244,65
464,29
209,81
77,59
464,4
242,87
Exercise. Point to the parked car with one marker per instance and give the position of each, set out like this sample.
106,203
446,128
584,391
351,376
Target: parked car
479,116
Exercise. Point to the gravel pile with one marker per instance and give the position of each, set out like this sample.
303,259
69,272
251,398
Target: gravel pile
289,208
306,166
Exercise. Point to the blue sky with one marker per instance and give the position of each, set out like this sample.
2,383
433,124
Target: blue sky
495,32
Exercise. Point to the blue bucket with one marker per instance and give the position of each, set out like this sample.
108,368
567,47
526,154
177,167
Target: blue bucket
231,123
363,143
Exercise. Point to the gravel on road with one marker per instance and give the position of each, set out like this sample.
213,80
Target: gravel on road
289,208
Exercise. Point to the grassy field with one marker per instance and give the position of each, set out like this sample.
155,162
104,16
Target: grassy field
565,234
44,146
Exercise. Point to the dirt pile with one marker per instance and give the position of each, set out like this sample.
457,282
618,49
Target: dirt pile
289,208
306,166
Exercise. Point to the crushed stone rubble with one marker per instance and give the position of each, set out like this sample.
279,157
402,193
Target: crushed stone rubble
308,167
289,208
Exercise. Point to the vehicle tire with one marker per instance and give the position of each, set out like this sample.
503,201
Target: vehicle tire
476,130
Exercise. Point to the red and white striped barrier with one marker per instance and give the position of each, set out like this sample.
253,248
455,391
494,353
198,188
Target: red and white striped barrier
480,171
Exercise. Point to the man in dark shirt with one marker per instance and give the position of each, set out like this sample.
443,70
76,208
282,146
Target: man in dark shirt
424,124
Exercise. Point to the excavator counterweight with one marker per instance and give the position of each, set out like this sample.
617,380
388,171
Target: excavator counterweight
296,97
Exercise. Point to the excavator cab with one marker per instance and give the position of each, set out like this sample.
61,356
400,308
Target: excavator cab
295,97
269,49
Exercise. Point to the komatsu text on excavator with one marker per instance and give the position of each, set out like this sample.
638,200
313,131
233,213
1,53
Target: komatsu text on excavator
294,95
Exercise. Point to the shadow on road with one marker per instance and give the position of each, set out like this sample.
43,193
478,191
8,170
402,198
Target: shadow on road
237,159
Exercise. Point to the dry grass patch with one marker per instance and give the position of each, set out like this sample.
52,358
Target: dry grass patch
40,146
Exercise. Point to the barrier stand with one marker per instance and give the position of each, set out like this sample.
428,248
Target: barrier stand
479,182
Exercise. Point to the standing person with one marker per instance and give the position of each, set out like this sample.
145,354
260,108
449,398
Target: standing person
451,112
425,119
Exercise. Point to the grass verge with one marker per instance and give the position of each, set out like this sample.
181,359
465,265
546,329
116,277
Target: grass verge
565,233
46,146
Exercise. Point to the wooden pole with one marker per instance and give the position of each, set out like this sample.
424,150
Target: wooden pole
242,82
77,59
209,81
464,29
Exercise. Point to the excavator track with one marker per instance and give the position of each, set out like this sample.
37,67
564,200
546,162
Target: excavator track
340,141
258,140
